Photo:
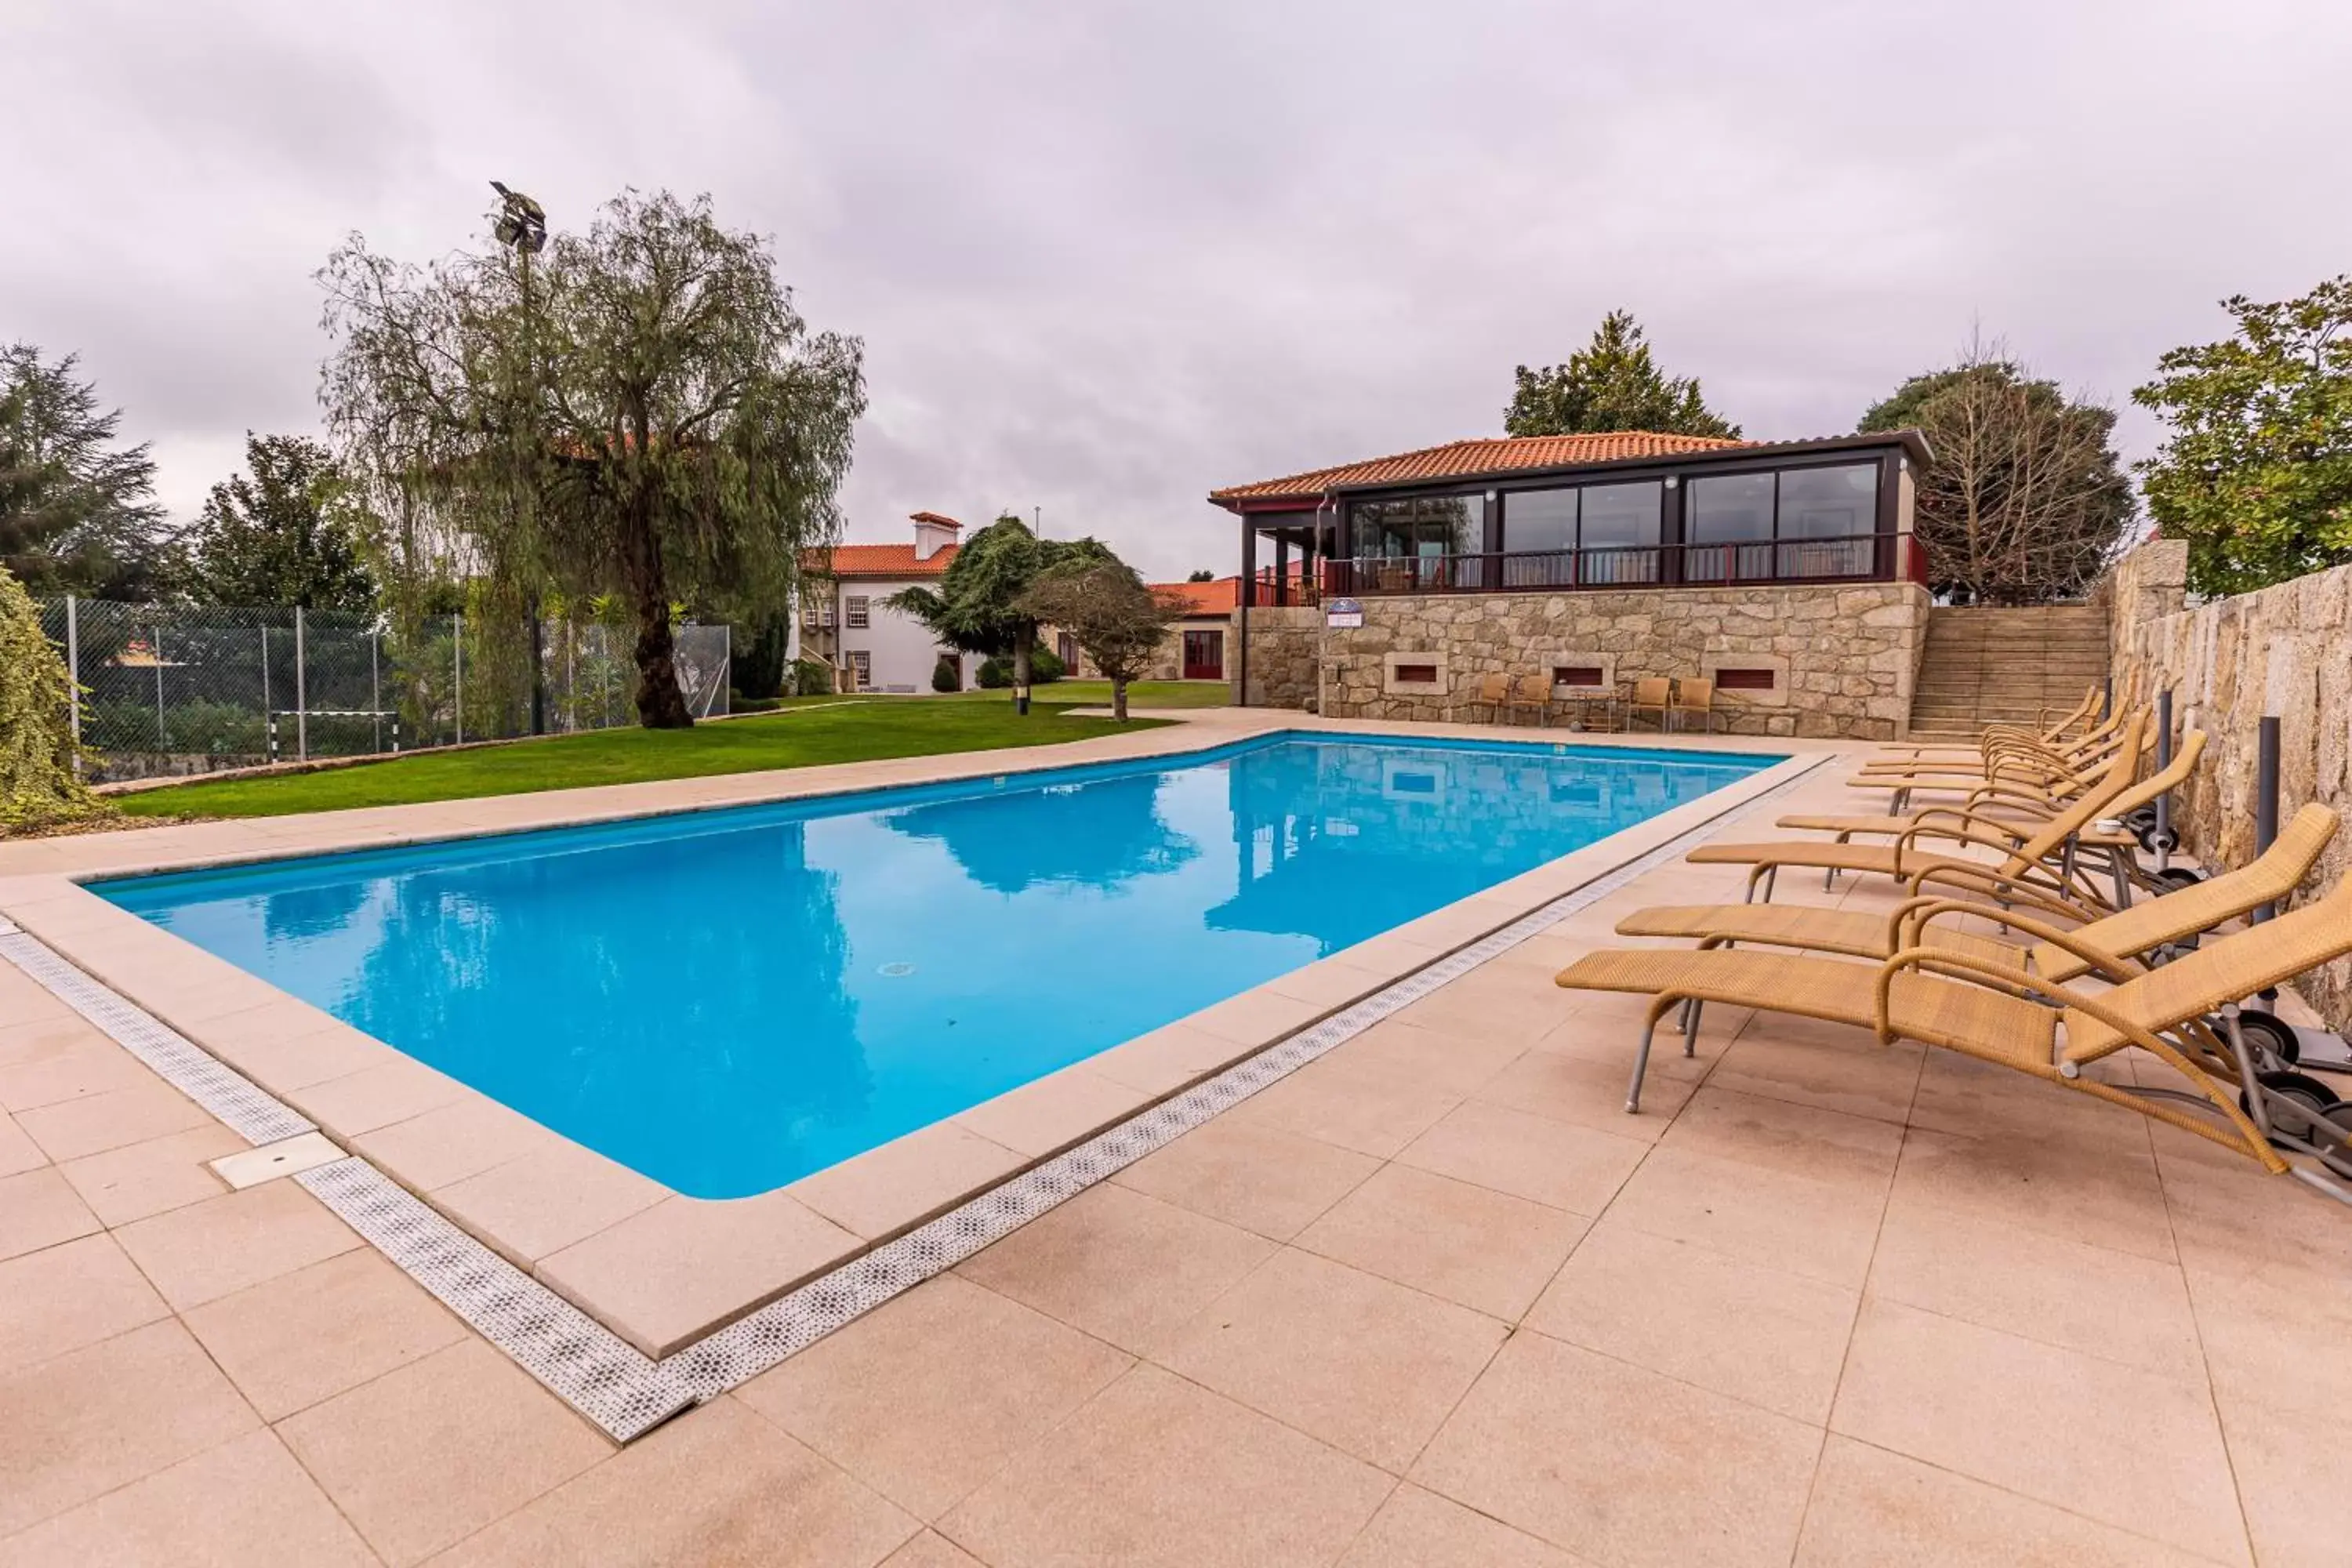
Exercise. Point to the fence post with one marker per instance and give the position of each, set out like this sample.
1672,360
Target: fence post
269,716
376,688
301,692
162,736
73,678
457,649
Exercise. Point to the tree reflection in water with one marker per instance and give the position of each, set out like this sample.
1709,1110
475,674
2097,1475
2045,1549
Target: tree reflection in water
1008,843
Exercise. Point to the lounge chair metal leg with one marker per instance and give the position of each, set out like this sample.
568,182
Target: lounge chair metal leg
2252,1086
2116,858
1690,1026
1771,877
1641,1065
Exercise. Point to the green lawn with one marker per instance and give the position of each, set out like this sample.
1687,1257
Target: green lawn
1141,694
851,731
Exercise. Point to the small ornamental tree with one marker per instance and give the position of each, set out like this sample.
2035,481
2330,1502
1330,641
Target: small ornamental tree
38,787
977,604
1108,612
280,533
1611,384
2256,472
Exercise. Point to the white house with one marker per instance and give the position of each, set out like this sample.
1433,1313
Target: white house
847,619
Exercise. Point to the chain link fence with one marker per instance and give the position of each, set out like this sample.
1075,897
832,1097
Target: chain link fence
164,690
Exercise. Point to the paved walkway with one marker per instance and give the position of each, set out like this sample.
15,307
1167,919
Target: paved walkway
1434,1300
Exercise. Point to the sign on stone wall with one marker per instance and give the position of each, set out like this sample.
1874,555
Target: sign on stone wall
1343,614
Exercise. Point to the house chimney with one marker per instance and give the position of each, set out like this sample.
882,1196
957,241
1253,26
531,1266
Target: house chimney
934,533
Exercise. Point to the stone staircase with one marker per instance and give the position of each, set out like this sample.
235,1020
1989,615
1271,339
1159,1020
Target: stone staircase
2004,666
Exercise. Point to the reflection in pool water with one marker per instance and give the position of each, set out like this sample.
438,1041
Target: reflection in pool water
726,1001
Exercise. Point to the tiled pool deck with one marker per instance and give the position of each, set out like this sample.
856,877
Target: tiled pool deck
1432,1298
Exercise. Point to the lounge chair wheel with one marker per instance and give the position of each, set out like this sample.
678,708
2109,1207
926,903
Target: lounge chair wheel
2172,878
2310,1100
2270,1036
2160,841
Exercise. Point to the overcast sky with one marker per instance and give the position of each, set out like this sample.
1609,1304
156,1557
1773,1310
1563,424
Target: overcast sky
1105,258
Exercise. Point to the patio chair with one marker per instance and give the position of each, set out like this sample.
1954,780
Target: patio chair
1533,692
2045,861
1652,696
2183,1013
1692,695
2119,940
1493,695
2009,771
2051,732
1999,742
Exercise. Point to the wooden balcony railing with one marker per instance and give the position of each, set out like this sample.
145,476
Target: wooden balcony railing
1858,558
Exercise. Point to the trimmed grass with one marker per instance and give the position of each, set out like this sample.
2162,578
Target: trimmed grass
1141,694
856,730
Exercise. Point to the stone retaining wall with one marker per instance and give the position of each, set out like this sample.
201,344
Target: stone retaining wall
1845,657
2280,650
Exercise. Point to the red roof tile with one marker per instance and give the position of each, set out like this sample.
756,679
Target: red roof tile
936,520
1466,459
1215,598
884,561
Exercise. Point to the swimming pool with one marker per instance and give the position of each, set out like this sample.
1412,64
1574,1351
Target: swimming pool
727,1000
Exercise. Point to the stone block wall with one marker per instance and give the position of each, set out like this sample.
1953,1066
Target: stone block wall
1850,653
2228,662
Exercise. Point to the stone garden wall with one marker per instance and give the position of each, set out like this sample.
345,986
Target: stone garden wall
1844,658
2286,650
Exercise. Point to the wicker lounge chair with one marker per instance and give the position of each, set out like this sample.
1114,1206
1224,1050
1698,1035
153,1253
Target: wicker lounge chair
2045,861
2183,1013
2120,938
2034,781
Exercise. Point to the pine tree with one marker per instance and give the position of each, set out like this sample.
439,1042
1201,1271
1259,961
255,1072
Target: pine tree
76,515
1611,384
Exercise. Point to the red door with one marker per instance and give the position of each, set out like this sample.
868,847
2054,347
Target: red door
1204,655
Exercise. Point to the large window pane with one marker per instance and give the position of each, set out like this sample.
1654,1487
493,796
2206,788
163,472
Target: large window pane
1829,503
1416,536
1735,507
1539,520
1621,515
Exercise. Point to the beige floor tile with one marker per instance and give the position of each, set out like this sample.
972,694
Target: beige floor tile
374,1097
1468,1244
908,1180
1508,1008
2119,1305
1969,1098
96,1122
1754,1333
1823,1230
1801,1140
1807,1062
932,1550
1529,1156
546,1200
2104,1193
1368,1366
1119,1264
2291,1479
1367,1109
81,1063
1623,1465
244,1503
718,1487
1455,1063
1329,983
2124,1447
64,1297
1260,1178
17,1152
667,1274
2273,1332
205,1252
450,1142
39,1208
1046,1115
82,1423
1166,1060
1872,1508
929,1396
291,1342
1157,1471
1585,1093
141,1179
1255,1017
285,1061
1417,1529
423,1456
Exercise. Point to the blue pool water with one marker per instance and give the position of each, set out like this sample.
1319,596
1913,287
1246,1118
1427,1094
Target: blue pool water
727,1000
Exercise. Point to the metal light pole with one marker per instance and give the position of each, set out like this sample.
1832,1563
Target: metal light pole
522,224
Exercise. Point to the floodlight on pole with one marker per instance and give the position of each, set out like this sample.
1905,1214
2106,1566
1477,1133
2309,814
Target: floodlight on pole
522,224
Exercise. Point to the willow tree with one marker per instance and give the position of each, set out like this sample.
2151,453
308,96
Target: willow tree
641,411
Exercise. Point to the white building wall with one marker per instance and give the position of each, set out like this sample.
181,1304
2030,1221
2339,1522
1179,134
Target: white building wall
901,651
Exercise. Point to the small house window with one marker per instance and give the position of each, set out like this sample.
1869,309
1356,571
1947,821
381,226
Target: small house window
1576,675
1746,679
856,606
1421,674
861,666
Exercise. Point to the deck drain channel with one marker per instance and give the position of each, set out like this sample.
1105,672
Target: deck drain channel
610,1381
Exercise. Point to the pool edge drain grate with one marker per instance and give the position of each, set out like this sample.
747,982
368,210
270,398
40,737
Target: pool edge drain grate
617,1386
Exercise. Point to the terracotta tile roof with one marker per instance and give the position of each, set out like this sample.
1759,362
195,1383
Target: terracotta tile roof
883,561
936,519
1490,455
1215,598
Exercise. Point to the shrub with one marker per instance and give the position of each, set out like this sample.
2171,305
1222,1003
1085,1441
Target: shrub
947,676
741,704
38,787
813,677
1045,667
995,674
